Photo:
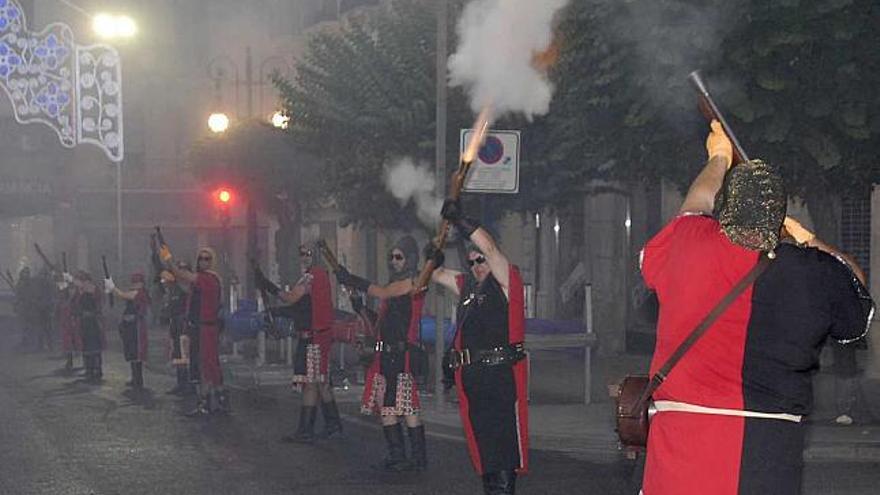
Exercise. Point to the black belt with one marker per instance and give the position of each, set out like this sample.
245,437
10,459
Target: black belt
490,357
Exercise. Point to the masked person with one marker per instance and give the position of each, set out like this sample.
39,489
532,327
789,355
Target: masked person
133,327
311,305
86,309
730,414
489,355
203,309
390,386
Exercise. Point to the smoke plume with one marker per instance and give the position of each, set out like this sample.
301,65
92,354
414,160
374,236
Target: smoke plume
409,181
498,40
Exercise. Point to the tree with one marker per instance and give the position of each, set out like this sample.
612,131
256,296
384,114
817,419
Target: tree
365,95
797,79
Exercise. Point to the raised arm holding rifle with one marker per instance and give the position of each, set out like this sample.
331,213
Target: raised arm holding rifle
390,389
311,307
488,349
204,305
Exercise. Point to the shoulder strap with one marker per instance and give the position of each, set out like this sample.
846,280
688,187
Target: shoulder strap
700,329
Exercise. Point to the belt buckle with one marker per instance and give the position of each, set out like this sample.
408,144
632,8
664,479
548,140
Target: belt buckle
460,358
379,346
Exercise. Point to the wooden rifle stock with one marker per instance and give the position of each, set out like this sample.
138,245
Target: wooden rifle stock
107,276
440,241
328,255
711,112
263,295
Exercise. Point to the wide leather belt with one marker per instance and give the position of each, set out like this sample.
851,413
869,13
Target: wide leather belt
487,357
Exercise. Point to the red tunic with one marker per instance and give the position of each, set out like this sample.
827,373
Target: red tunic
208,287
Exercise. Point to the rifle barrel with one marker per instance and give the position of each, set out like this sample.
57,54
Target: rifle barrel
697,81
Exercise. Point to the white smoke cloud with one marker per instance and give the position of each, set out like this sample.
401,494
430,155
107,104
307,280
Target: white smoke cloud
497,40
409,181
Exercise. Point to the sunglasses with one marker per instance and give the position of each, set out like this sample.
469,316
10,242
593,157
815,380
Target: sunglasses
479,260
305,254
205,258
396,256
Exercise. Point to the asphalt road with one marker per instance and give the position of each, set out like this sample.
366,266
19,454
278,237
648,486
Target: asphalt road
60,435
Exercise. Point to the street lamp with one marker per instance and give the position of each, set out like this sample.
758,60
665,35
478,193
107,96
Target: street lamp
114,26
218,123
279,120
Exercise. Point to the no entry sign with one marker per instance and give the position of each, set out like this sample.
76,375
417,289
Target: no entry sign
496,168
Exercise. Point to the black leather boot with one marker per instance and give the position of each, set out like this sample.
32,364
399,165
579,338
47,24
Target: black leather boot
305,432
396,459
223,404
202,408
418,448
68,363
500,483
332,421
99,367
137,375
182,386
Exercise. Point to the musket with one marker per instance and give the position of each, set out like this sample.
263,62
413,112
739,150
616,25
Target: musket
711,112
9,281
64,261
45,259
160,236
464,165
107,276
328,255
263,295
158,266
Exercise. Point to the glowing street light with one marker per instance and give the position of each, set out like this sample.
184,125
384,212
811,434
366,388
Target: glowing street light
110,26
218,123
279,120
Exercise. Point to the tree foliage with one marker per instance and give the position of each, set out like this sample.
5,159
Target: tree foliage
797,79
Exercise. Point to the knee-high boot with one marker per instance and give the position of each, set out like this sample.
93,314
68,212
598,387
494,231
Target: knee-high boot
138,375
418,448
500,483
305,432
396,459
332,421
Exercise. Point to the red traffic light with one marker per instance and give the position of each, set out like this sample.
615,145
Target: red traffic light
223,196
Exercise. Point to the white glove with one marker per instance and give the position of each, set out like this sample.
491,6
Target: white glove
109,286
68,278
62,285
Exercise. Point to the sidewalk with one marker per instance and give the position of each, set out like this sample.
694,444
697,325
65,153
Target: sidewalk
558,418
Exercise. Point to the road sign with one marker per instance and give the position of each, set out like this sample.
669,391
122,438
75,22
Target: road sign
496,168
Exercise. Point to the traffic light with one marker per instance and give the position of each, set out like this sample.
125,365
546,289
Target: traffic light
223,199
223,196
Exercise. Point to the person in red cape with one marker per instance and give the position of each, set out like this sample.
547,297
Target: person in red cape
203,308
133,327
489,355
390,386
311,305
